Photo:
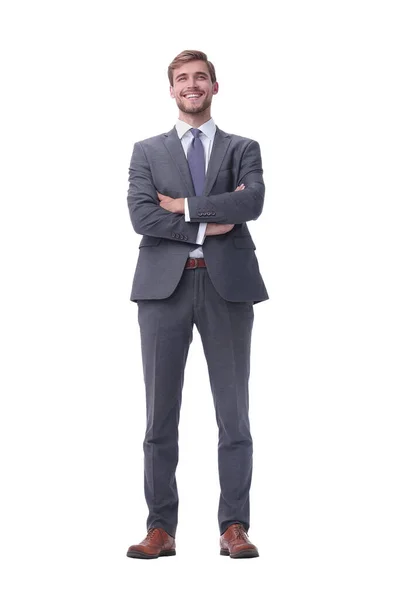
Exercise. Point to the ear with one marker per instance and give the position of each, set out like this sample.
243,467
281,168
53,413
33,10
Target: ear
215,88
171,91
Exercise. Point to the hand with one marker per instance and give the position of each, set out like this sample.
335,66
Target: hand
175,205
219,228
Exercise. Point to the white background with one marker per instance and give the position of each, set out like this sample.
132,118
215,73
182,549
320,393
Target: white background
317,84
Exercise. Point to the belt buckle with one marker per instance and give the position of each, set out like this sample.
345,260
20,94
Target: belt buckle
190,265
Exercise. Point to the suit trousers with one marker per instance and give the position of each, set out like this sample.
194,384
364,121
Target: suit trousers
166,332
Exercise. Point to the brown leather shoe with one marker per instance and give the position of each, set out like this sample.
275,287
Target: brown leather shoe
235,543
156,543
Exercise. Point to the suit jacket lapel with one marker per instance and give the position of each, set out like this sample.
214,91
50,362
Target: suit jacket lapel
174,147
219,148
218,151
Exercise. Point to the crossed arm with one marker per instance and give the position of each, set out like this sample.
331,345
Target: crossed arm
161,216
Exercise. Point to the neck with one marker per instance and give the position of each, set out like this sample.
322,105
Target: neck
196,119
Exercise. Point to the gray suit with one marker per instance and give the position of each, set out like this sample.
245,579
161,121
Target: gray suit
218,299
159,163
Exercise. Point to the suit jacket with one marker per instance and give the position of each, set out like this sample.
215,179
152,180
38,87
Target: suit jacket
159,164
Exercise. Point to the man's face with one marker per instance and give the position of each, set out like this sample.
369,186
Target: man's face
192,89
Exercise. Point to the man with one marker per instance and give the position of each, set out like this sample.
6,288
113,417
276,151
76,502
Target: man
191,192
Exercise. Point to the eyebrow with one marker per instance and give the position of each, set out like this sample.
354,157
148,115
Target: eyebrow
197,73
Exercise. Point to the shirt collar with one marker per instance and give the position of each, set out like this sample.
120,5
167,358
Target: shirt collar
207,128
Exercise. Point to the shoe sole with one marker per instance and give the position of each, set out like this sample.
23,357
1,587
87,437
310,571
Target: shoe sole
242,554
136,554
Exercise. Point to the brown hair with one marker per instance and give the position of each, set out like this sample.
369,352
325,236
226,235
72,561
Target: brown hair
187,56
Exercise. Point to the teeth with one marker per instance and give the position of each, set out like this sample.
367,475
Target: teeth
193,96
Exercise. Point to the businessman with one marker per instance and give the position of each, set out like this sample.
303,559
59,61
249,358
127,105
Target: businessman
191,193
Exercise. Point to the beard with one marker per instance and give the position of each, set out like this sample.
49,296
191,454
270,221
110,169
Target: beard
192,110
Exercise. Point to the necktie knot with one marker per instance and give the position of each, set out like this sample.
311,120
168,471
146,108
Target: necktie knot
195,132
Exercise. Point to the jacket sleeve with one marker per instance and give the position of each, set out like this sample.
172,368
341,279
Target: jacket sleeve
147,216
234,207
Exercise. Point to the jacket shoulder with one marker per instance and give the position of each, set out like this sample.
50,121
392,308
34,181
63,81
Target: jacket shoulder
238,139
150,141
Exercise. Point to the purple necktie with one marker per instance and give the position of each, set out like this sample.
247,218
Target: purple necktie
196,162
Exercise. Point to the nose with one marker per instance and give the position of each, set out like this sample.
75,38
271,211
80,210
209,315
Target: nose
192,82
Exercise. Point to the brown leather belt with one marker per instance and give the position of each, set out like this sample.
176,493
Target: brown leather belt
192,263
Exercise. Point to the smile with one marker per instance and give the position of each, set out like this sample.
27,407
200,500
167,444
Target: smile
192,96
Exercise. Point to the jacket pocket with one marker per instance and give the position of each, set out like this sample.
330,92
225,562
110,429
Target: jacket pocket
148,240
244,241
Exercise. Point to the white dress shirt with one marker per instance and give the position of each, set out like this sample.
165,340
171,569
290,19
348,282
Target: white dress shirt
207,138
